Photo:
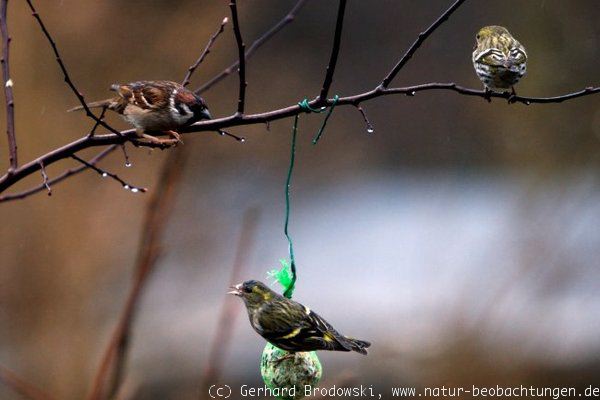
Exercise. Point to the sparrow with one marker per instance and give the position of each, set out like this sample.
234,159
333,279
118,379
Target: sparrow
289,325
155,106
500,61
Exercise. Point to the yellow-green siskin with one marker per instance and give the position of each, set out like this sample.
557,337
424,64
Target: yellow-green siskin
499,59
289,325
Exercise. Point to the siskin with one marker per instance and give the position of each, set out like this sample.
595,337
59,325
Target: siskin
289,325
499,59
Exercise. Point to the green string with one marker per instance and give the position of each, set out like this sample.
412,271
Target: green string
306,107
286,276
289,288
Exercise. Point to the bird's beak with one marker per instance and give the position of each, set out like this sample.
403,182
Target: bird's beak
237,290
205,114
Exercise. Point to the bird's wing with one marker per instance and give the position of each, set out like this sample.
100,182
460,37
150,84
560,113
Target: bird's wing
491,56
331,338
291,325
144,95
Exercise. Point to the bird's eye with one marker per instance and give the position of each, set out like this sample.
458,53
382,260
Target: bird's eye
478,37
247,289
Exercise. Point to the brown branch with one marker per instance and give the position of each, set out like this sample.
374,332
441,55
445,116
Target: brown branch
105,174
337,38
66,151
211,41
109,374
8,89
63,68
422,36
18,385
289,17
241,56
60,178
230,309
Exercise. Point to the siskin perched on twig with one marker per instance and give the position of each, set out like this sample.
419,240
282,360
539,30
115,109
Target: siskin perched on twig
289,325
499,59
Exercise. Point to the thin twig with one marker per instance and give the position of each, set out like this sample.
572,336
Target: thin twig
63,68
61,177
370,128
289,17
231,135
45,179
241,56
18,385
230,309
8,89
126,156
211,41
67,150
106,174
97,122
335,49
422,36
155,222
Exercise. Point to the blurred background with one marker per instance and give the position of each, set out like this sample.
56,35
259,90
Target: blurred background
462,238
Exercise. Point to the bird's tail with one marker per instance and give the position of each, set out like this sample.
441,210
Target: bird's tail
359,346
96,104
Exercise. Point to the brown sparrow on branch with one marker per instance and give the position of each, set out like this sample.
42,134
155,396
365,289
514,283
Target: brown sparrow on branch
155,106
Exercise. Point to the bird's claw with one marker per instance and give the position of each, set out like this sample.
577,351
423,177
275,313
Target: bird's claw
284,358
488,95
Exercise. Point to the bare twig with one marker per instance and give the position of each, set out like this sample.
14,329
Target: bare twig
126,156
370,128
335,49
17,384
97,122
422,36
8,89
61,177
241,56
230,309
289,17
45,179
63,68
211,41
105,174
155,222
66,151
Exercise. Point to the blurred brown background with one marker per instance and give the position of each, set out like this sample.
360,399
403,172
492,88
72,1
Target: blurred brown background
462,238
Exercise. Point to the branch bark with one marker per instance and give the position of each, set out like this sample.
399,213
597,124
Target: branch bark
211,41
8,89
51,182
335,50
415,46
67,150
241,56
289,17
66,75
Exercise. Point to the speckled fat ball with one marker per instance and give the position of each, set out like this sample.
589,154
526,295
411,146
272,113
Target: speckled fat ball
294,371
